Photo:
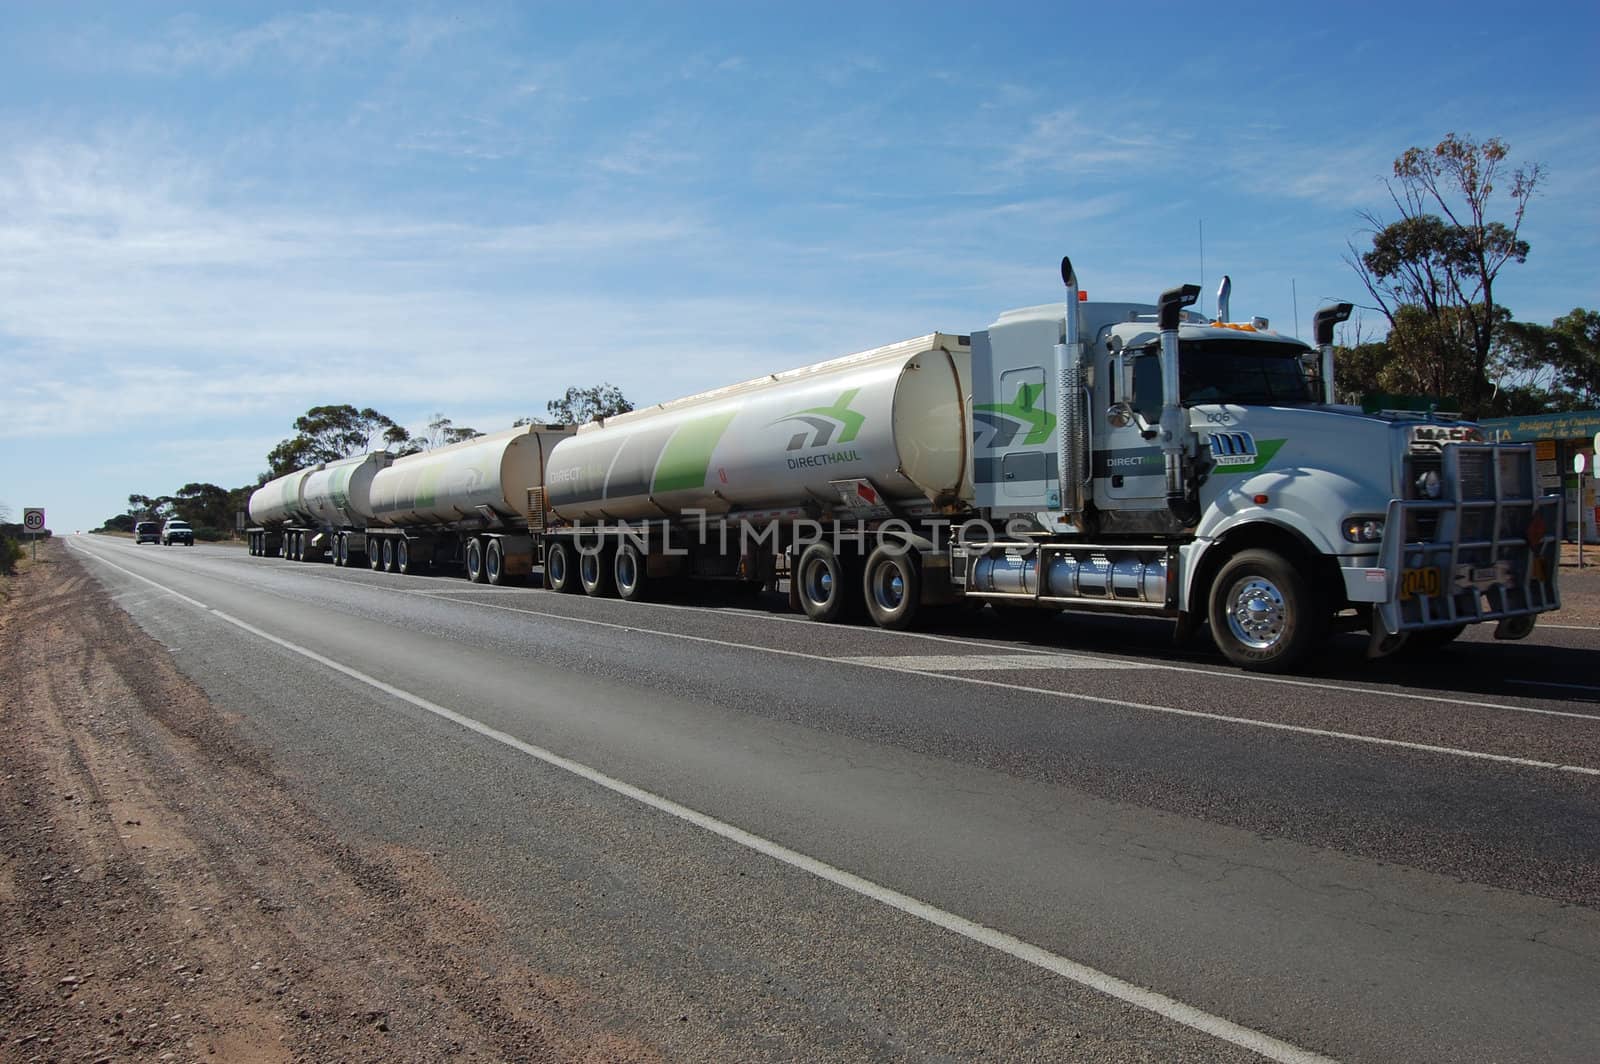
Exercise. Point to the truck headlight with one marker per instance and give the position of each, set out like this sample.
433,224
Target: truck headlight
1363,529
1429,485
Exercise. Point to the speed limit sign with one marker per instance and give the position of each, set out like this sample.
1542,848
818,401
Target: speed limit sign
33,518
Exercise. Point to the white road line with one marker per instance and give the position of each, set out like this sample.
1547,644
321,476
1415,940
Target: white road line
1572,627
1148,707
886,665
1241,677
1169,1008
1011,648
986,662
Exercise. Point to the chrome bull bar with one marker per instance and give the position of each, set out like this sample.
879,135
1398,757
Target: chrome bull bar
1487,550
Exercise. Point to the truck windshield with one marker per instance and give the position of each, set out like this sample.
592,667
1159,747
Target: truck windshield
1244,372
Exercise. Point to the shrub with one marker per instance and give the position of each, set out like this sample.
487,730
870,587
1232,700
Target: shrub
10,555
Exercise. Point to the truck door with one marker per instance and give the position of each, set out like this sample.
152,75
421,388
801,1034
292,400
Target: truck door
1128,469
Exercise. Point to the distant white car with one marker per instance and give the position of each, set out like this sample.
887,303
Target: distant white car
176,531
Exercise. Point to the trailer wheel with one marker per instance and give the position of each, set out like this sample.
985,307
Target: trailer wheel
826,591
386,559
628,571
474,561
375,553
494,564
892,586
1264,615
594,572
559,571
403,561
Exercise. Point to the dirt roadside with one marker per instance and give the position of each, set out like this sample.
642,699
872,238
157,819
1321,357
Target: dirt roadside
163,896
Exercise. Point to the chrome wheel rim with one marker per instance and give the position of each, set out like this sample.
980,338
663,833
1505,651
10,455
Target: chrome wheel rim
1258,615
558,566
888,588
627,570
819,582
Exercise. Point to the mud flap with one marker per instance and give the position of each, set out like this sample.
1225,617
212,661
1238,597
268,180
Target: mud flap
1383,642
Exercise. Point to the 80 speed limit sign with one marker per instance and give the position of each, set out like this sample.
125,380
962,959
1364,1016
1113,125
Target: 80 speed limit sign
33,518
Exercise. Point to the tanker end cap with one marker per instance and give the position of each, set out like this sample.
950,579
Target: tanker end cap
1173,300
1326,319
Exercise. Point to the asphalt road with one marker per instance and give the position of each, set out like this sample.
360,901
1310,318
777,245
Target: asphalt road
759,838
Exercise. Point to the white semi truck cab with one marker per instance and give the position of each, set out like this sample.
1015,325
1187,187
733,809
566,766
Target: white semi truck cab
1148,458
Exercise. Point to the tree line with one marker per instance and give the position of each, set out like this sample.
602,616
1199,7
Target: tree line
1431,272
329,433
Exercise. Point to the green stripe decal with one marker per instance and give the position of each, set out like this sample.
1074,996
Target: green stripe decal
1266,451
427,487
687,456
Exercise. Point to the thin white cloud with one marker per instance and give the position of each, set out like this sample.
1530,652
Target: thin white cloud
308,39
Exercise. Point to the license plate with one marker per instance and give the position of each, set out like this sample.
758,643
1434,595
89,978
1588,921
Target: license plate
1425,582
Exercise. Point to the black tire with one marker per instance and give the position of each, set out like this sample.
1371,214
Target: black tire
826,591
494,564
594,572
404,562
474,560
628,573
892,587
1264,615
387,563
560,571
375,554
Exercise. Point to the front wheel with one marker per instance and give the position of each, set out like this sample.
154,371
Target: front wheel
475,561
1264,615
893,587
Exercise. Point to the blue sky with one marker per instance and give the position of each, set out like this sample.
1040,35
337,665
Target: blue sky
215,217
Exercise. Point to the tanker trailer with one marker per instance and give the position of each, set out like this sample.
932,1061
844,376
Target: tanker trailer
318,512
465,504
338,495
274,507
731,483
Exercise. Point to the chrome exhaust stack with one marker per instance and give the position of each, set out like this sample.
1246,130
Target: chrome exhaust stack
1072,457
1224,290
1174,425
1322,326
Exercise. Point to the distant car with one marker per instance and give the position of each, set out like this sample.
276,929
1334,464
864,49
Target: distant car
147,532
176,531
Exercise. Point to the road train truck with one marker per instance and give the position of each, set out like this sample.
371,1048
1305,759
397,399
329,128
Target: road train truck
1082,455
456,505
